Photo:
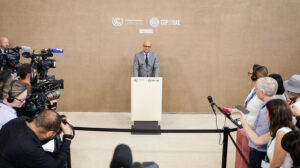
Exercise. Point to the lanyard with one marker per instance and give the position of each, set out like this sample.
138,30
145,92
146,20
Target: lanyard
267,158
3,103
269,143
262,107
250,98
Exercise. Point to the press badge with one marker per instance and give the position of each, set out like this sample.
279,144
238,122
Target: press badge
265,164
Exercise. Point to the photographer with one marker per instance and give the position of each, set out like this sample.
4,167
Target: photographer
21,141
14,95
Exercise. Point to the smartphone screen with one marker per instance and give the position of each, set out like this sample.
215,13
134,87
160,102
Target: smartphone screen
242,109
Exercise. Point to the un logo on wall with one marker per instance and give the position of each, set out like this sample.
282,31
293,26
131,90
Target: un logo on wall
154,22
117,22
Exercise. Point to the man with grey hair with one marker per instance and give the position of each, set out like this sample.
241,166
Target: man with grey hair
266,89
4,43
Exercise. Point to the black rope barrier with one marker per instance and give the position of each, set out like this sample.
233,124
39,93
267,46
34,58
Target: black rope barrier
150,131
226,131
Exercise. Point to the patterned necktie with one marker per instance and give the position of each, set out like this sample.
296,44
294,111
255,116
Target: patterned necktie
147,61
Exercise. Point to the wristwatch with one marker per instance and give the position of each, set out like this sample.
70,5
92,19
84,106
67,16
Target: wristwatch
68,136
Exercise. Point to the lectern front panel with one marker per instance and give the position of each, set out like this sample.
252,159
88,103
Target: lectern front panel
146,99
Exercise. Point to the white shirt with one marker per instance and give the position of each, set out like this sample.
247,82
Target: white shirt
288,162
6,114
148,54
253,106
297,105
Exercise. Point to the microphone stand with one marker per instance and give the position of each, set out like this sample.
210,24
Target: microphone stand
227,115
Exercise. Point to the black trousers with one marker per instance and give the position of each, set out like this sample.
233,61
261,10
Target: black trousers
256,157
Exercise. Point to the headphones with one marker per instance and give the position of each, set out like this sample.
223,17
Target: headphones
254,76
10,98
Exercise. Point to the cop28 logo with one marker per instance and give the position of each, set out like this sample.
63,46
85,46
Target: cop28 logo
117,22
154,22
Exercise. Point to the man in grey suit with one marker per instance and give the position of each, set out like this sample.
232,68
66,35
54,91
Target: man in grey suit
146,62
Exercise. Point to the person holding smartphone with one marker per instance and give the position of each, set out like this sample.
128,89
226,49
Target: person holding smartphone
252,104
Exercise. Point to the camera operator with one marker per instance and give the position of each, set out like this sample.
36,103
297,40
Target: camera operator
4,77
24,72
21,141
4,43
14,95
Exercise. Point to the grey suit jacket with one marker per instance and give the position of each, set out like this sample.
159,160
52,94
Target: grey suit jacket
140,69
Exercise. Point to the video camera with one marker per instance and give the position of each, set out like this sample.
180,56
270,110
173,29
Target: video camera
45,88
41,63
10,59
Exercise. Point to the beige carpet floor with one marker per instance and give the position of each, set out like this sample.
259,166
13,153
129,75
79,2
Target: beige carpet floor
95,149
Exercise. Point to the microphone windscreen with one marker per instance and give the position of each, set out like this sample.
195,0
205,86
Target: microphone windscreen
122,157
25,48
57,50
210,99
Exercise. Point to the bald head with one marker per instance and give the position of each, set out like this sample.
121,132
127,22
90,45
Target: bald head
48,120
4,43
147,46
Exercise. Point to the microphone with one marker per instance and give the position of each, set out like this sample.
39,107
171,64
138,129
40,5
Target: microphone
226,111
227,114
24,48
57,50
210,100
122,157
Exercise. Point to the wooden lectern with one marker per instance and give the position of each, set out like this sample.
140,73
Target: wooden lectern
146,104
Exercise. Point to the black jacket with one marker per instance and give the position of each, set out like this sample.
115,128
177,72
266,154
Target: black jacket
21,148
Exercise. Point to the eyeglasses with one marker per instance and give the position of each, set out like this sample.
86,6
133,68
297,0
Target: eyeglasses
147,46
20,100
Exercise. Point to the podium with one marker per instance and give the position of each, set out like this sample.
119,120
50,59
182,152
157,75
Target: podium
146,104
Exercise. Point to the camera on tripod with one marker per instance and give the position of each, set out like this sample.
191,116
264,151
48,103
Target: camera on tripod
45,88
10,59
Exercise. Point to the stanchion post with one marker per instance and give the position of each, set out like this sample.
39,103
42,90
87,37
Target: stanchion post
225,146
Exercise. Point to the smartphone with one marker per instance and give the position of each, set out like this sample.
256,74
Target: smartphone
242,109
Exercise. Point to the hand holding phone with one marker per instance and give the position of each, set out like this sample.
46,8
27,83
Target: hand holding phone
242,109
